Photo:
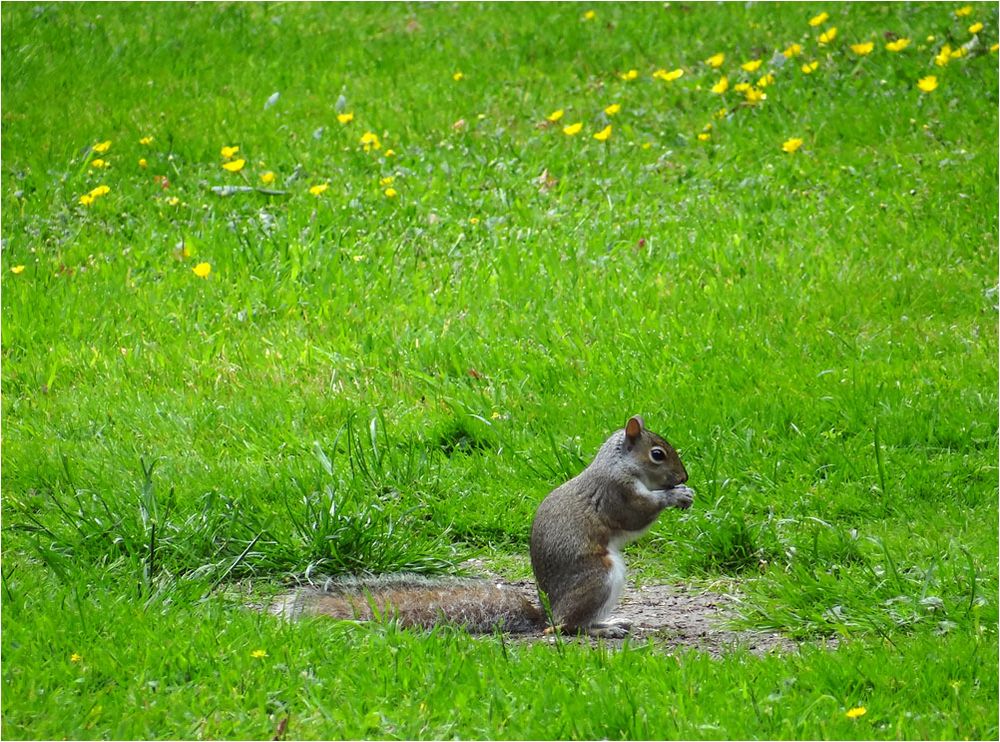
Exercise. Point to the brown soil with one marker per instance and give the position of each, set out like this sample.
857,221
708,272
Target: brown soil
680,617
672,616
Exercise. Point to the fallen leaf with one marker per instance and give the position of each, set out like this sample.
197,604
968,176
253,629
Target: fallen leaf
546,181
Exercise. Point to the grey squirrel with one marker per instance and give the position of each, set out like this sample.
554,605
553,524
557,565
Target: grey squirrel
577,535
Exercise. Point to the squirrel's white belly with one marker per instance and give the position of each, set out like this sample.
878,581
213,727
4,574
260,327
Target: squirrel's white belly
616,575
616,581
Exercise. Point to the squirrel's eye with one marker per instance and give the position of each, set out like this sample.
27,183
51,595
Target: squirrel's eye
658,454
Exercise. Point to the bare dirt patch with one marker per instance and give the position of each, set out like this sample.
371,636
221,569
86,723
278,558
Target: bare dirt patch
681,617
673,616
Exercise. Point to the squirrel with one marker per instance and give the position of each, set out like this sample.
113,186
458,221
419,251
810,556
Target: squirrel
581,527
577,535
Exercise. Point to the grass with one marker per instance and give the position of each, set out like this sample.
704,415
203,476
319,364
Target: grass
375,383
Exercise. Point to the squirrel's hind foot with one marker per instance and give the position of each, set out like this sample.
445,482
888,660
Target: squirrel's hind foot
607,630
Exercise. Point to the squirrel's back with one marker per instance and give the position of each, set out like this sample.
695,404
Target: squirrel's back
479,606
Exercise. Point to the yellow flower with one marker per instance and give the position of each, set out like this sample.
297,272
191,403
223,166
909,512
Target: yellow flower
604,134
863,49
390,153
267,178
721,86
766,80
959,52
898,45
668,76
572,129
829,35
318,190
235,166
793,50
741,87
721,113
820,19
589,15
704,136
369,140
754,96
98,163
258,654
810,67
752,66
613,109
927,84
102,147
994,48
390,193
345,118
630,75
89,198
15,270
716,60
73,657
944,56
473,220
228,152
791,145
555,115
963,11
975,28
143,163
386,181
146,140
854,713
202,270
458,76
357,258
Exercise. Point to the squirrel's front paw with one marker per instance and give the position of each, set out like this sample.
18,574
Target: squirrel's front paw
680,496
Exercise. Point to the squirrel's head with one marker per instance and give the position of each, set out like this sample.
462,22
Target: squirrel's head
655,461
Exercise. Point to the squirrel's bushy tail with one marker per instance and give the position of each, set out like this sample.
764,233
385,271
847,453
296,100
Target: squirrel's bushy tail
479,606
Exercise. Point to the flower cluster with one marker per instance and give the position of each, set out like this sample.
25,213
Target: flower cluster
730,85
231,162
750,78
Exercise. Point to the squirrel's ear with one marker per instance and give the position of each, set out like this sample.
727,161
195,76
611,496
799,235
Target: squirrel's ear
633,429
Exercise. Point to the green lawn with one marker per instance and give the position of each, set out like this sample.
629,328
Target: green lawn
389,373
